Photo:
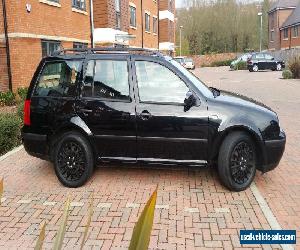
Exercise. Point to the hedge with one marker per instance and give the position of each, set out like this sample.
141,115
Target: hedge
221,63
10,135
241,65
7,98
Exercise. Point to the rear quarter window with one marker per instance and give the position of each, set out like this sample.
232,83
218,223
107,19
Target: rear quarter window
58,79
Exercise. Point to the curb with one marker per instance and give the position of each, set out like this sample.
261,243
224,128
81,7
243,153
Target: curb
267,212
15,150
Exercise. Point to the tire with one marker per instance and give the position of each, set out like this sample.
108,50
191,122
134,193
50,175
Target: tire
251,69
73,159
233,158
278,67
255,68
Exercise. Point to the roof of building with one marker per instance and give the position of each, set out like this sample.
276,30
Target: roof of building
293,19
284,4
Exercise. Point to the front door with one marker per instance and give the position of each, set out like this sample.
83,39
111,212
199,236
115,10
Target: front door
164,131
107,107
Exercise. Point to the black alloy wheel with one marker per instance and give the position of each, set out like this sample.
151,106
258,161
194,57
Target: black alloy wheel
242,163
237,161
73,159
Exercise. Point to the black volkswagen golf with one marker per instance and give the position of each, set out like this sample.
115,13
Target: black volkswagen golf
86,107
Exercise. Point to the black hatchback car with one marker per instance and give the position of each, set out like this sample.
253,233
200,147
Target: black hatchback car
264,61
129,105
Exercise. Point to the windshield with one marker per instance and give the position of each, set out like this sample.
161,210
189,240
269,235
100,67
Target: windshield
195,80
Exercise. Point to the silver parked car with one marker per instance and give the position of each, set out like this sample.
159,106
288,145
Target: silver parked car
186,62
243,58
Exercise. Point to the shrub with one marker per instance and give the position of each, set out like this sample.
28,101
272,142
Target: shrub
294,66
9,132
241,65
22,92
20,111
287,74
7,98
221,63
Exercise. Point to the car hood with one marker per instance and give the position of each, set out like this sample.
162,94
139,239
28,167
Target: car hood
241,100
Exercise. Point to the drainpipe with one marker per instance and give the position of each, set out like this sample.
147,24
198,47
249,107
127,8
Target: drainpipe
142,23
92,23
158,24
7,46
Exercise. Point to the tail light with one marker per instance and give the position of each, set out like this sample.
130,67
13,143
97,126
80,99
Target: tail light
27,113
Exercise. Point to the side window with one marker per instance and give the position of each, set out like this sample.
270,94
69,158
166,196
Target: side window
268,57
159,84
107,79
59,79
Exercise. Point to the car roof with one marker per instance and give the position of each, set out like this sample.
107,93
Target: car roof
83,53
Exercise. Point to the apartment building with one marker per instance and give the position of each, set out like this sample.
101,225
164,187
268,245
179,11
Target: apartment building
290,30
167,25
137,23
35,28
284,24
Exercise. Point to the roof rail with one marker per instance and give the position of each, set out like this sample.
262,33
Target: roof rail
107,49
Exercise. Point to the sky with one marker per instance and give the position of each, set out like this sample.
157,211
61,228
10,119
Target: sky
178,3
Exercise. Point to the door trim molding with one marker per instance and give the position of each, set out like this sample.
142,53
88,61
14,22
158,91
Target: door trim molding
154,160
142,138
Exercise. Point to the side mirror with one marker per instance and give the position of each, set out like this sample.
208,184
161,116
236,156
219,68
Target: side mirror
189,101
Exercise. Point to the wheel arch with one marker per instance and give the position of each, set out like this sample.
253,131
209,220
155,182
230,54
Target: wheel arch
255,136
75,124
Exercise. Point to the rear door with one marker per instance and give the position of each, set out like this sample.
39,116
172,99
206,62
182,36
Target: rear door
107,106
270,63
166,133
261,61
54,96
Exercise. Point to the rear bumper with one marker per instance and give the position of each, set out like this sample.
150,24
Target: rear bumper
274,150
36,145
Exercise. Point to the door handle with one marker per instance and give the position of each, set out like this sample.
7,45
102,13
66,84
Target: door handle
145,115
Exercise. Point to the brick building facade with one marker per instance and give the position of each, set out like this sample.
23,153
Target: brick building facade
284,21
36,28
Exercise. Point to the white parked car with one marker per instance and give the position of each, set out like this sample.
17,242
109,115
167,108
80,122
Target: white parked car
186,62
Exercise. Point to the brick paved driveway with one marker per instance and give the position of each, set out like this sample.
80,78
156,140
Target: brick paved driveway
193,210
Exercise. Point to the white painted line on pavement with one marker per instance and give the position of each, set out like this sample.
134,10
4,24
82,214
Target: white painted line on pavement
49,203
268,212
132,205
15,150
191,209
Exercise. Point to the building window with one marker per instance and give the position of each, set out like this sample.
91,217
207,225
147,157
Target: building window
295,31
155,25
80,45
286,33
118,14
272,36
79,4
147,22
48,47
272,20
132,16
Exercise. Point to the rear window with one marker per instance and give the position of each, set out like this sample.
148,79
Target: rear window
259,56
59,79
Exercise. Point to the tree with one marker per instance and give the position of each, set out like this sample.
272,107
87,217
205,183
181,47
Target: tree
213,26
